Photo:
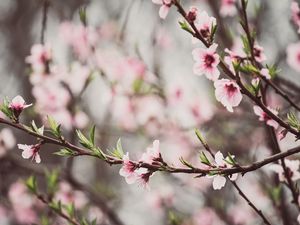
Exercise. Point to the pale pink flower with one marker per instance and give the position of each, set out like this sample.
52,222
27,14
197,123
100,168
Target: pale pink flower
296,14
30,151
265,73
7,141
152,154
143,177
40,56
259,54
128,170
67,195
265,117
228,93
219,181
18,105
292,165
80,120
293,56
207,61
255,81
164,8
228,8
204,24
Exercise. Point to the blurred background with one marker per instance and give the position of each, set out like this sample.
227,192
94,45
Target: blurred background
130,73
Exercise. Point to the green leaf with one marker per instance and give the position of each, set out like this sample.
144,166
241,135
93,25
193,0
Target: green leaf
54,127
293,120
55,205
52,181
4,107
31,184
83,15
184,162
70,208
230,159
204,159
65,152
118,151
84,141
245,42
99,153
249,68
185,26
92,135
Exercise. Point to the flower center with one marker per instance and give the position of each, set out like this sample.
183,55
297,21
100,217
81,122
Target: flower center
256,52
209,60
231,89
205,32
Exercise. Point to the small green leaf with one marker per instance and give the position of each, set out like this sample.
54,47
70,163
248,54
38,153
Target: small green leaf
52,181
54,127
184,162
84,141
70,208
65,152
92,135
293,120
204,159
185,26
118,151
83,15
31,184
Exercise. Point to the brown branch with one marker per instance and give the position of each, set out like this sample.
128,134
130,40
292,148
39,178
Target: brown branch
58,212
44,20
259,212
170,169
227,71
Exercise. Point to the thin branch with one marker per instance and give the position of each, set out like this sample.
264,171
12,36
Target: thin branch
259,212
228,72
46,5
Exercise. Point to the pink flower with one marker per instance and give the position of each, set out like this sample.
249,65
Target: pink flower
128,170
18,105
207,61
265,72
265,117
152,154
165,7
292,166
296,14
7,141
143,177
219,181
192,14
31,151
259,54
228,8
293,56
228,93
40,56
204,24
67,195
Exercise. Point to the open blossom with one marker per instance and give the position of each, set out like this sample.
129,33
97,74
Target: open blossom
292,166
204,24
165,7
219,181
228,93
7,141
228,8
152,154
266,73
40,56
18,105
30,151
207,61
259,54
293,56
128,170
296,14
265,117
143,177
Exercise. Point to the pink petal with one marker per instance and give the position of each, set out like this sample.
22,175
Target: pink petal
163,11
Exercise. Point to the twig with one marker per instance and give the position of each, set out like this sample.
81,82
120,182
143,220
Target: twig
44,20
